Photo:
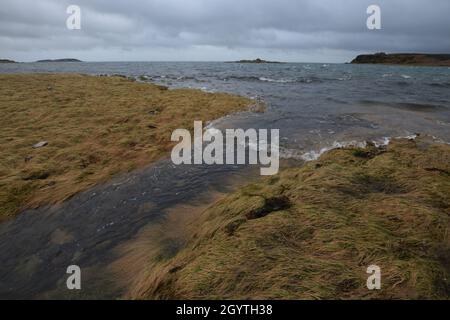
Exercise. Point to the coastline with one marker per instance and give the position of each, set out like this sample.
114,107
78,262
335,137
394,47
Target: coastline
64,133
151,216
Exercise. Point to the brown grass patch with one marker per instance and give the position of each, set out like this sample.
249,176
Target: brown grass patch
96,127
338,215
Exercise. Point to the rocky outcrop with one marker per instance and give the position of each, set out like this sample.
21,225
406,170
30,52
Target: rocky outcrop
258,60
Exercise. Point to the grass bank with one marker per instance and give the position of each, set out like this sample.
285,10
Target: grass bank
95,128
311,232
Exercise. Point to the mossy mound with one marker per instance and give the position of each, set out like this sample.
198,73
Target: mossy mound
311,232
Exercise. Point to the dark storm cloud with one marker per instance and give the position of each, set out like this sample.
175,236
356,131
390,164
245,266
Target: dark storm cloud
220,29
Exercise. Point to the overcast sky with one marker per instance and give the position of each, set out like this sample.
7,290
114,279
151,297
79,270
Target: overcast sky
217,30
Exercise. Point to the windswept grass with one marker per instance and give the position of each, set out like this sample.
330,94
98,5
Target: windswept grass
96,127
311,232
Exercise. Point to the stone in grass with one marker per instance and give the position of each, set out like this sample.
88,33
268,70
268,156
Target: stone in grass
40,144
153,112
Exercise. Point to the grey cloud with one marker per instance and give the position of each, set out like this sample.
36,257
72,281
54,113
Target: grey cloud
219,29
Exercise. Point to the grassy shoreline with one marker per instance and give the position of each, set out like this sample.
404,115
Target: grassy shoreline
312,232
95,127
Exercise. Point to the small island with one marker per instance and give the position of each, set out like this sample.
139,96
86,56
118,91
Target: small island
258,60
410,59
7,61
60,60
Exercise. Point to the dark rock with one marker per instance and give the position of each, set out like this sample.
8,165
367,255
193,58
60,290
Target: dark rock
28,158
270,205
233,226
176,269
162,88
153,112
37,175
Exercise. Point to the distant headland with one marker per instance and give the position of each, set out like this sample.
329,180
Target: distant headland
60,60
258,60
410,59
6,61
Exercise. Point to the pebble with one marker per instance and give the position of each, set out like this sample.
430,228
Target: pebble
40,144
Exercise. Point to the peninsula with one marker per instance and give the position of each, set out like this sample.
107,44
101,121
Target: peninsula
411,59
